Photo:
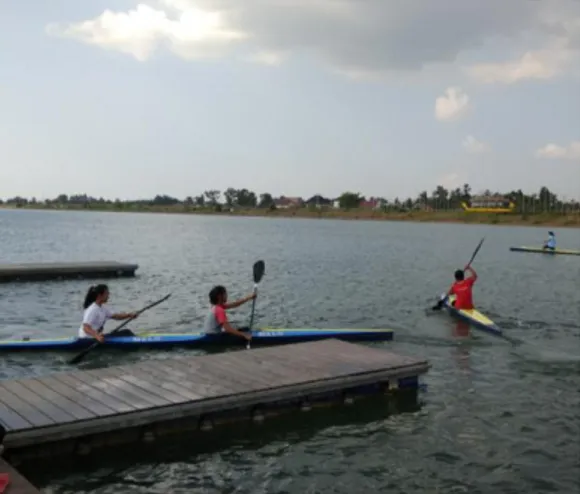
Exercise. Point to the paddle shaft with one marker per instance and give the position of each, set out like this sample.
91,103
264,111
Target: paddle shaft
81,355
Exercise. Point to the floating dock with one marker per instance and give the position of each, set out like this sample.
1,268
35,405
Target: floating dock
65,270
80,411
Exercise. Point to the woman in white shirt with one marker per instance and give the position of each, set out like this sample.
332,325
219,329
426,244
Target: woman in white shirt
96,314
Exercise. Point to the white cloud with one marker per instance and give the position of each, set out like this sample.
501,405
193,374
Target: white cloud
365,40
195,33
453,105
555,151
473,146
540,64
267,58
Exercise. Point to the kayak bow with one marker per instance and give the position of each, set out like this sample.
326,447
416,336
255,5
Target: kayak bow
265,336
474,317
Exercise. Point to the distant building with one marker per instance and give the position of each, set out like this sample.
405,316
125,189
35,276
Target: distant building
372,203
318,201
288,202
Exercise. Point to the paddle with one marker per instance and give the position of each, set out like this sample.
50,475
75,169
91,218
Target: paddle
440,303
258,272
81,355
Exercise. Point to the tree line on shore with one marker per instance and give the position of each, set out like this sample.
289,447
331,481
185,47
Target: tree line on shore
441,199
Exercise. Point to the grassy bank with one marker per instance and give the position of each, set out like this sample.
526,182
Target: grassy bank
543,219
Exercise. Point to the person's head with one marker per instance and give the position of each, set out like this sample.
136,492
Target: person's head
98,294
459,275
218,295
551,233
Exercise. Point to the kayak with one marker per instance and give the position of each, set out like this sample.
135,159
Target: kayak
473,316
263,336
539,250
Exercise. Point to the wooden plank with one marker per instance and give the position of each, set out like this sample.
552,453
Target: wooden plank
235,374
242,372
74,409
10,420
148,384
57,414
185,388
73,394
120,406
113,386
207,385
25,410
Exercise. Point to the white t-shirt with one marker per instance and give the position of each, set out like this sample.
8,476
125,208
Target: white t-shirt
95,316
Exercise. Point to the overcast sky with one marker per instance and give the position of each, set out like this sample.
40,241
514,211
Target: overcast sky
117,98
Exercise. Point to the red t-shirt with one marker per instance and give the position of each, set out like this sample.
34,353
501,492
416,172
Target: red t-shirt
462,292
220,314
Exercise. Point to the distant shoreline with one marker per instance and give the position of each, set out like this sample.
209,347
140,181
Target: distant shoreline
459,217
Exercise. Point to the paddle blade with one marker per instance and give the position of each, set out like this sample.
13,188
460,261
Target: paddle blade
259,270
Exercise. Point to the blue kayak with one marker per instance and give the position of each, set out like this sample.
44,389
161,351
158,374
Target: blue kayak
265,336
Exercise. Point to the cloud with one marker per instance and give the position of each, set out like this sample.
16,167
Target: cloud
195,33
352,37
557,152
452,106
267,58
540,64
473,146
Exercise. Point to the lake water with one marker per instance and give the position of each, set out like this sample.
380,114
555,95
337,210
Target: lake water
494,417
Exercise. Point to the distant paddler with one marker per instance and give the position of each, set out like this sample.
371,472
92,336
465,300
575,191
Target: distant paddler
217,320
551,242
96,314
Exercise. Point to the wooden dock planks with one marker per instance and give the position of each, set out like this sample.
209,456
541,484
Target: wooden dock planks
65,270
71,405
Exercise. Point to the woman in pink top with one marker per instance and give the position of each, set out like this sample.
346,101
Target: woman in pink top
217,319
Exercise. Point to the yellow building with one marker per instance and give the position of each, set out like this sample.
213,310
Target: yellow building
489,204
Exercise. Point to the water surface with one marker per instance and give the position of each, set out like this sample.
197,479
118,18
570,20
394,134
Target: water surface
495,418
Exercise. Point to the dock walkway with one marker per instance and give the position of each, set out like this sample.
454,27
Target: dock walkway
80,410
65,270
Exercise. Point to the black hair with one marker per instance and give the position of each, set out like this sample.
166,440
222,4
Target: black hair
93,293
551,233
215,293
459,275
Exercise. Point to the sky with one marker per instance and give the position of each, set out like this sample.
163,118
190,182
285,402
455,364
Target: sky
127,99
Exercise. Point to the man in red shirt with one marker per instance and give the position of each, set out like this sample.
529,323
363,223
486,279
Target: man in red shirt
462,289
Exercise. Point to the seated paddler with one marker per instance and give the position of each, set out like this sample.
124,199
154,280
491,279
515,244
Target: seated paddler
217,320
551,242
96,314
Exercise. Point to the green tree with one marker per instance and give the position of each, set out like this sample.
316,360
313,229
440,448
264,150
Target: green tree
350,200
231,197
266,201
246,198
212,196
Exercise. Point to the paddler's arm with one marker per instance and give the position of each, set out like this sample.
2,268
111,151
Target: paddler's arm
472,271
91,332
120,316
239,302
228,328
